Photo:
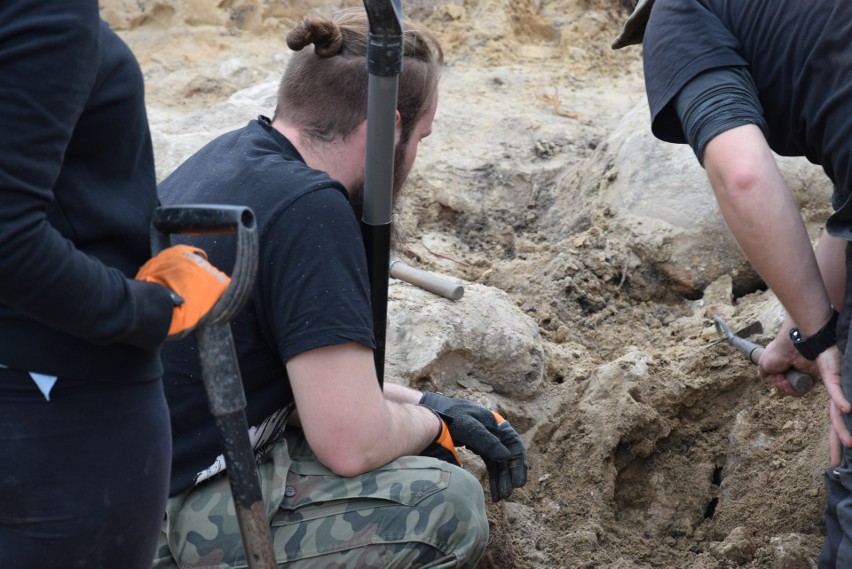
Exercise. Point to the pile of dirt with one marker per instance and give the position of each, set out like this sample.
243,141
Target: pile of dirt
651,444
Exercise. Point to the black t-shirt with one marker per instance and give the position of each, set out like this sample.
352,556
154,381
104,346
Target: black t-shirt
799,54
312,287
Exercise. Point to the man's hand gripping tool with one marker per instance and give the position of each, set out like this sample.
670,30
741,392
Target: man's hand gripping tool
800,381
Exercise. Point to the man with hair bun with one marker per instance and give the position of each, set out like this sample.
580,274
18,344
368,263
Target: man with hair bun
352,475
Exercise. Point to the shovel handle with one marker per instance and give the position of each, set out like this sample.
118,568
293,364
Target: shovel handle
213,220
799,380
219,365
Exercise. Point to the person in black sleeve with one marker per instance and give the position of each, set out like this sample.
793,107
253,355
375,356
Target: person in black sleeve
346,468
737,80
84,432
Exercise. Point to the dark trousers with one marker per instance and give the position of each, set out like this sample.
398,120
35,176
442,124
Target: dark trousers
837,549
83,477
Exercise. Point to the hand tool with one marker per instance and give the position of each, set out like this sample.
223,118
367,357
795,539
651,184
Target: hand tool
384,64
219,367
425,280
800,381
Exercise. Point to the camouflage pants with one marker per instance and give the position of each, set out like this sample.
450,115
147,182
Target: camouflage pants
413,512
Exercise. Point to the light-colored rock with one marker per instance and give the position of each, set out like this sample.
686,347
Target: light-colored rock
482,341
738,547
177,138
660,199
791,552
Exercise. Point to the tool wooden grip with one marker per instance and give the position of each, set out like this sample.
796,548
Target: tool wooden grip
427,281
798,379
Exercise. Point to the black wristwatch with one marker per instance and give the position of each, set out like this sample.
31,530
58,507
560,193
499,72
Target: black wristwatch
812,346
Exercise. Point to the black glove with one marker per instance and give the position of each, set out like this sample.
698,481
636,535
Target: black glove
487,434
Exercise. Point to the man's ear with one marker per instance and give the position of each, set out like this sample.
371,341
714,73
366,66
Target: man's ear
397,126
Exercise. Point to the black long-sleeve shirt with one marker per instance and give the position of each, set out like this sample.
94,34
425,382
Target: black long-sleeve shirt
77,188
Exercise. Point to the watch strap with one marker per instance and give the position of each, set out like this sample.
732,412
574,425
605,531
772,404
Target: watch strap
814,345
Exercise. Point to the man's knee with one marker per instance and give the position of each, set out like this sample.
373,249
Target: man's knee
416,510
466,489
465,530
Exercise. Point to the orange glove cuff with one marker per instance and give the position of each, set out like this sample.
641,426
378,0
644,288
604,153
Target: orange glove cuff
445,440
185,271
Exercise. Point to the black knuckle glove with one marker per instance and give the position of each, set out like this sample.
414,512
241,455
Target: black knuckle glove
504,477
488,435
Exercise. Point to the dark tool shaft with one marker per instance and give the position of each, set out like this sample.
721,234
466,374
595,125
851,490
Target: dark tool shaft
226,399
377,244
384,64
245,488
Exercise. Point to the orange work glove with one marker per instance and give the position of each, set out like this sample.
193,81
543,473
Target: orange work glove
185,271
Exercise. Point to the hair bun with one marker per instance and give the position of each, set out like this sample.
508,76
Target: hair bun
322,32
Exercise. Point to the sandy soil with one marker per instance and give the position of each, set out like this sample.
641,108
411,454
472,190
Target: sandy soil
651,444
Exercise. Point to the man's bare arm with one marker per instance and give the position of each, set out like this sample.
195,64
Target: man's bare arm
765,220
348,422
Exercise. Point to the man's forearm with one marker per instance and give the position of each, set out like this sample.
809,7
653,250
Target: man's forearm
400,394
831,258
399,429
350,424
417,425
762,215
